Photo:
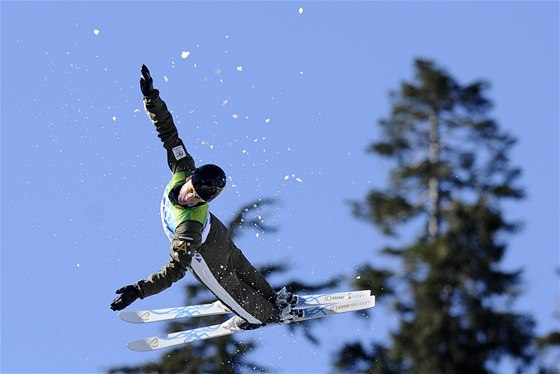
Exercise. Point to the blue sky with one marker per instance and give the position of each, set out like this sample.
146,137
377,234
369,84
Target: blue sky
285,96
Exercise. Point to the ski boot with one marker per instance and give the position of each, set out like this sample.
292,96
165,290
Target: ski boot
286,314
284,298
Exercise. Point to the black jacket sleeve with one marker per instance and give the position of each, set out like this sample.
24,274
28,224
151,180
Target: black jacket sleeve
183,247
178,158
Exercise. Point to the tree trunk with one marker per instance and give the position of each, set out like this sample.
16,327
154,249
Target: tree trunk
433,184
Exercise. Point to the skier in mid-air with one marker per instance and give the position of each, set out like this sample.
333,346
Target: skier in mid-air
200,242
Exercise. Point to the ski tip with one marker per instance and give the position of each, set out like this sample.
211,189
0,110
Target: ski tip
354,305
134,317
143,345
366,303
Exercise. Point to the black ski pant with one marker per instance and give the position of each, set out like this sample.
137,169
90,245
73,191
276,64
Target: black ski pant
227,273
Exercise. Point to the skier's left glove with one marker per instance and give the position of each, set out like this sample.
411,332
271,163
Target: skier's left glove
146,82
128,295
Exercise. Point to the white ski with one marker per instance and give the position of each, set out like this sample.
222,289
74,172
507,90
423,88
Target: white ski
155,315
215,308
228,327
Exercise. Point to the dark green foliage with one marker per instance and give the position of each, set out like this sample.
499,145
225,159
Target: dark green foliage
375,280
243,220
361,360
551,339
548,348
451,171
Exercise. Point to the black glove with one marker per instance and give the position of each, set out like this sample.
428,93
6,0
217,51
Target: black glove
128,295
146,82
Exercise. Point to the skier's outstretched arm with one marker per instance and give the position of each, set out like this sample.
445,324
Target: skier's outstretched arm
154,284
178,158
183,247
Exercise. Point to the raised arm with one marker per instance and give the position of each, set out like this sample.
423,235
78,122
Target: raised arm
178,158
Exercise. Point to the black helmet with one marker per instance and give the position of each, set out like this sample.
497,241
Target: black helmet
208,181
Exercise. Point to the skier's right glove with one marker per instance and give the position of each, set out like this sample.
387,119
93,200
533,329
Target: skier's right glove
146,82
128,295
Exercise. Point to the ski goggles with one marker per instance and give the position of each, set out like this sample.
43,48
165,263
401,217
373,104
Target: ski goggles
191,189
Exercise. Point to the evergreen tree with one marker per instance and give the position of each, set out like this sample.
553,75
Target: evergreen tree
451,173
225,354
548,348
549,345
